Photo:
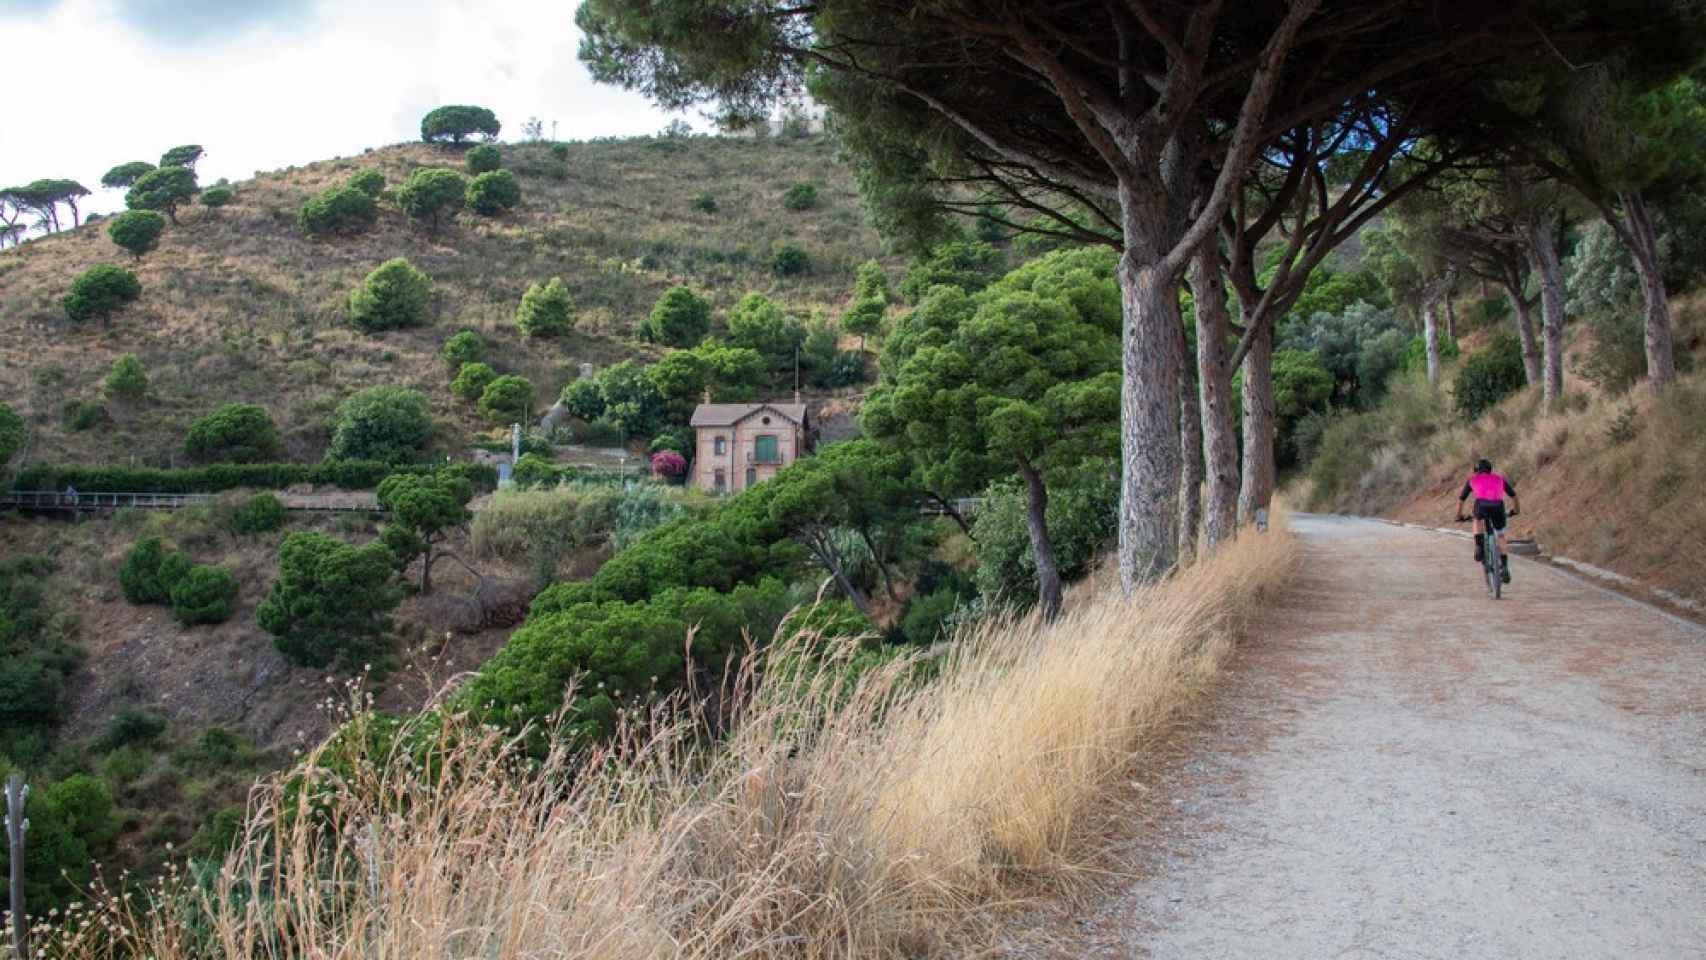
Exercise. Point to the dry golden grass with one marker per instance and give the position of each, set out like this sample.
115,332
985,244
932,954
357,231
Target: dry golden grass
878,819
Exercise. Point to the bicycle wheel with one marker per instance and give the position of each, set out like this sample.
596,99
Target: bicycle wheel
1494,581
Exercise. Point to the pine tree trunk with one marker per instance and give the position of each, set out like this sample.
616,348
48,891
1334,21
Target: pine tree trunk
1259,474
1042,548
426,570
1450,307
1543,256
1190,471
1149,409
1430,337
1520,312
1661,349
1214,383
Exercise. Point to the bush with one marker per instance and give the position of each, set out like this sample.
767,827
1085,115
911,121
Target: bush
493,192
204,595
669,464
483,159
127,380
131,726
100,291
389,424
216,197
926,615
705,203
560,151
790,259
680,319
1488,377
432,192
233,433
149,571
394,295
162,189
464,347
544,310
459,122
344,210
800,196
507,399
137,231
332,601
79,415
368,180
1616,358
261,513
11,434
471,380
1083,519
584,399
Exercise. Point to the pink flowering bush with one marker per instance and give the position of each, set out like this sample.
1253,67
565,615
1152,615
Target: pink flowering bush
668,463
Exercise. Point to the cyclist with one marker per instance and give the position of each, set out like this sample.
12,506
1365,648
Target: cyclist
1490,490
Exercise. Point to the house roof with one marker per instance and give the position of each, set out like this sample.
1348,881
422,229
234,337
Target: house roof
729,414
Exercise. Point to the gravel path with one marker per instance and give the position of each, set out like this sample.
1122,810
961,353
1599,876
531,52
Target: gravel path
1399,767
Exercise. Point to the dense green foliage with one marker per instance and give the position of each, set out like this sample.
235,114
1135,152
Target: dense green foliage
233,433
11,434
125,175
1488,377
163,189
680,318
72,827
506,399
215,197
368,180
332,602
343,209
472,379
463,347
544,310
100,291
389,424
127,380
261,513
36,654
204,595
482,159
493,192
182,156
347,474
431,193
137,231
1083,522
800,196
969,265
150,570
457,123
789,260
394,295
759,324
421,509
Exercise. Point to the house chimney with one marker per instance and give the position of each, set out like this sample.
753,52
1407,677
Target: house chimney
796,395
707,394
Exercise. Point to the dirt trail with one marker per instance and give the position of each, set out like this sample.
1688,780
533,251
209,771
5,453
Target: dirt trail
1399,767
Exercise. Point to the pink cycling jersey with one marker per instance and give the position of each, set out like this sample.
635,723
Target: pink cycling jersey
1487,486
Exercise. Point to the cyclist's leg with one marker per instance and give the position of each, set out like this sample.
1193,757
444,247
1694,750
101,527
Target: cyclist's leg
1480,527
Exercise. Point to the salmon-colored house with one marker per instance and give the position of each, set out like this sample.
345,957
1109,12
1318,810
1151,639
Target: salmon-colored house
740,444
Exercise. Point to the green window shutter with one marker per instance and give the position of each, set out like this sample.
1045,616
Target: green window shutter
764,450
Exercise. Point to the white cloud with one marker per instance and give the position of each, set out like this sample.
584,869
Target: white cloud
90,85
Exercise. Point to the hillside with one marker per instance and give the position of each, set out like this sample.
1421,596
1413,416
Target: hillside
238,304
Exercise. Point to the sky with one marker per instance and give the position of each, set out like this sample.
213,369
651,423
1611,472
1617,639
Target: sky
265,84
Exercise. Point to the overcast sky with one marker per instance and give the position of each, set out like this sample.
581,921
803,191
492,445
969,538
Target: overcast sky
264,84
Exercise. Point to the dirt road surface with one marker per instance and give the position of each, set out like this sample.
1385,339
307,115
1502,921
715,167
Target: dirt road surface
1399,767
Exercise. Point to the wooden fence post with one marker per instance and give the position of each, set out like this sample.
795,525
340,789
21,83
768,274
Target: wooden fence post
16,825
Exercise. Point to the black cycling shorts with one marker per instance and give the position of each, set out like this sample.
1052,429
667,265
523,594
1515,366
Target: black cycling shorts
1492,511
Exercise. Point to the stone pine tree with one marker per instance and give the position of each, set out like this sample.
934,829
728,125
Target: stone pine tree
421,510
1101,112
1023,379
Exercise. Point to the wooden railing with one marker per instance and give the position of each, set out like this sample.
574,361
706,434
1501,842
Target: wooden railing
94,502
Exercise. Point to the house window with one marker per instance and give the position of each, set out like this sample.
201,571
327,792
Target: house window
764,449
751,477
719,446
720,480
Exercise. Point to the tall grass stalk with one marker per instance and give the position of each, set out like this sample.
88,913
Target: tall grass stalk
835,817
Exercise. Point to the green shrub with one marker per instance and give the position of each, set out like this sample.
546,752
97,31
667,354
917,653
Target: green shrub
705,203
131,726
544,310
464,347
584,398
126,380
149,571
216,197
680,318
332,601
457,123
483,159
204,595
926,614
394,295
347,474
79,415
11,434
559,151
431,193
1083,520
100,291
507,399
1616,357
216,749
493,192
72,828
344,209
261,513
137,231
790,259
1345,455
368,180
800,196
233,433
1488,377
390,424
471,380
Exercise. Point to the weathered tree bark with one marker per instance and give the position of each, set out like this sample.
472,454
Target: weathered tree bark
1042,548
1430,335
1542,240
1149,416
820,546
1190,471
1214,384
1521,313
1450,307
1259,475
882,565
1643,243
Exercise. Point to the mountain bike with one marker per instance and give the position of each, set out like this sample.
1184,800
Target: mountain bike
1491,555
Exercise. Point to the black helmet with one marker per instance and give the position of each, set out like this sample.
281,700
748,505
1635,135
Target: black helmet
1483,465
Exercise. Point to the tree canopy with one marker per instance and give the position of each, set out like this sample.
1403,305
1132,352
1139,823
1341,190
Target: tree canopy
123,176
162,189
332,601
457,123
421,509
